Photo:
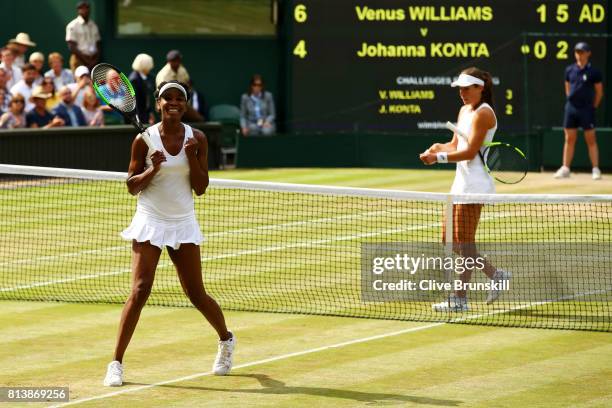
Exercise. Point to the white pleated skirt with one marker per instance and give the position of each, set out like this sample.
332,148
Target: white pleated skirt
162,232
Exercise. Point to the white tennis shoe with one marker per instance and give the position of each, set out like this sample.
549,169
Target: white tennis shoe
498,277
114,374
563,172
596,173
225,356
454,303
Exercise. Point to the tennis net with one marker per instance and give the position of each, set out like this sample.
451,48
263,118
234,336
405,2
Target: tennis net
324,250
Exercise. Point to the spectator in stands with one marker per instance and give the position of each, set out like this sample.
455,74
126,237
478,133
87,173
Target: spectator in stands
3,79
38,60
40,117
48,86
82,84
25,86
257,111
83,38
91,108
8,58
584,91
197,101
67,110
15,117
143,86
173,70
62,76
20,45
3,97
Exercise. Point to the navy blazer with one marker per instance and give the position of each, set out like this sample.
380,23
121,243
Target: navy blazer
61,111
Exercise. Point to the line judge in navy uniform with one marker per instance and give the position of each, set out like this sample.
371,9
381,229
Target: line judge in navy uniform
584,90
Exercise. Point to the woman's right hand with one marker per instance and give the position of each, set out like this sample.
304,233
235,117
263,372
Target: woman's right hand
157,158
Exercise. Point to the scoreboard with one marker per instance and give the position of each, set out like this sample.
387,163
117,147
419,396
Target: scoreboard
387,65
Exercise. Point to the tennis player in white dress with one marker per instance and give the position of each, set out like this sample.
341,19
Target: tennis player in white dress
165,217
477,120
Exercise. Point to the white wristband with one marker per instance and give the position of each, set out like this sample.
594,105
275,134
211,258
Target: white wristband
442,157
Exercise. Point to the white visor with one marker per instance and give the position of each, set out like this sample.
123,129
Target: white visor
467,80
172,85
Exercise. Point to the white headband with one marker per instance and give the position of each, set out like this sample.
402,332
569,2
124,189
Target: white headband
467,80
173,85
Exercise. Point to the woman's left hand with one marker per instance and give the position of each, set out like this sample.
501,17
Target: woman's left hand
428,158
191,147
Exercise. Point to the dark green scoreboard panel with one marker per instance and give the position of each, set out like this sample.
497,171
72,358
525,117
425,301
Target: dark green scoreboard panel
387,65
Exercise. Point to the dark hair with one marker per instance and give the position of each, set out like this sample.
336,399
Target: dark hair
487,91
28,67
184,85
254,78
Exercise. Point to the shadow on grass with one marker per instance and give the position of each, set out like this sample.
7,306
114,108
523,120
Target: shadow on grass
275,387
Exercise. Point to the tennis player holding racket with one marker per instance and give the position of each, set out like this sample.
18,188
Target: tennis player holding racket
165,217
477,120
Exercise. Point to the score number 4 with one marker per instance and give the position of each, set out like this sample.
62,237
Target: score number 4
300,16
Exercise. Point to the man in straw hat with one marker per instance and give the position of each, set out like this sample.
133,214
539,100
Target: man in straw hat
20,45
39,117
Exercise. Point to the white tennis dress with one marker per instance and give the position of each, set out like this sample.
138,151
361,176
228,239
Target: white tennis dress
471,176
165,213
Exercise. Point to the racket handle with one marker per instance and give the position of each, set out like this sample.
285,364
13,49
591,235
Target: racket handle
147,139
451,126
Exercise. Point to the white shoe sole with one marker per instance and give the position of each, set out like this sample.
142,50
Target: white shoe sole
112,385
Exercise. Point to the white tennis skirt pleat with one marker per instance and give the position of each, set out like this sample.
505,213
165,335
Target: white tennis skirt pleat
162,232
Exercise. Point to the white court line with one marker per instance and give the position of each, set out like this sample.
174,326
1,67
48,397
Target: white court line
253,363
331,346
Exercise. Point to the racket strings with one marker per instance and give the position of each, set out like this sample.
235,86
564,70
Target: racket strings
506,164
112,87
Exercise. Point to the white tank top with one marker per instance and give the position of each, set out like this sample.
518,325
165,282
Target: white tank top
168,196
471,176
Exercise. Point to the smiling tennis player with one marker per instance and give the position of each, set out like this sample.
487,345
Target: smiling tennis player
165,217
477,120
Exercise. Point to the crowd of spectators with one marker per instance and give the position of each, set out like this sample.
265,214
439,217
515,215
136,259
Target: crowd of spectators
32,95
35,97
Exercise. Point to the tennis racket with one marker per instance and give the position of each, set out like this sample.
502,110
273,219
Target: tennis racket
506,163
114,88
